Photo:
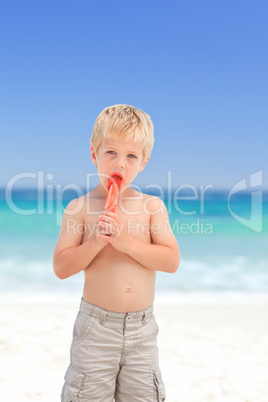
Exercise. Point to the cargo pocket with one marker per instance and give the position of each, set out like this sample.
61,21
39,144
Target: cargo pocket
160,387
73,384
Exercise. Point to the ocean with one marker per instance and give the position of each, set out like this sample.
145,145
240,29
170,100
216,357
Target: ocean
223,244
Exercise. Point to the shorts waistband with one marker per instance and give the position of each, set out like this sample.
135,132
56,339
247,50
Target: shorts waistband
98,311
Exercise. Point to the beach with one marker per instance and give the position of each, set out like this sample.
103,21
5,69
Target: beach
207,352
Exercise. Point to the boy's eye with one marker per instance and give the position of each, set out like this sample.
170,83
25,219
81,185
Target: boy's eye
113,153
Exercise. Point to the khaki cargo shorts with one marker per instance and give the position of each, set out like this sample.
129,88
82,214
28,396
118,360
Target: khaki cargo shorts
114,356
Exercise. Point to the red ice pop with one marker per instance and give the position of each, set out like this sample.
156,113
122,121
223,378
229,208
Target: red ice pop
114,184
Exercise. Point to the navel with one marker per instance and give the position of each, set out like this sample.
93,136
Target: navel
128,290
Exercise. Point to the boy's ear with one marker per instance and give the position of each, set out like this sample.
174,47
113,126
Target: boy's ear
144,163
93,155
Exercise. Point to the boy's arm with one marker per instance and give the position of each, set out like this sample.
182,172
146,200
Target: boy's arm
70,256
163,254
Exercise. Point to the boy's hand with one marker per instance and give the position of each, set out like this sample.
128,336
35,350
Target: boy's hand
111,230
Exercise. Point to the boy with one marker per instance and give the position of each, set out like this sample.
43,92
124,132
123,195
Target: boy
114,352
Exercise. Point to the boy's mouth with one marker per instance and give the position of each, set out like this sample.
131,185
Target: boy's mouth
115,178
118,175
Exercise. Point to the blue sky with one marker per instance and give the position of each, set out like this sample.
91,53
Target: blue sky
199,68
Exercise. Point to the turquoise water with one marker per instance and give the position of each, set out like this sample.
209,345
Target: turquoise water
218,253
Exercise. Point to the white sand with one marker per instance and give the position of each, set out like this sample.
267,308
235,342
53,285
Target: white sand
206,353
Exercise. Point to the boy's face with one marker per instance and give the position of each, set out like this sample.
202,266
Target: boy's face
117,156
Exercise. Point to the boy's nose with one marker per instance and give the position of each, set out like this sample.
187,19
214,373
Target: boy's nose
120,163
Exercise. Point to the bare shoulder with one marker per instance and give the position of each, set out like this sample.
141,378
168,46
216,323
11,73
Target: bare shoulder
76,202
154,205
83,202
76,207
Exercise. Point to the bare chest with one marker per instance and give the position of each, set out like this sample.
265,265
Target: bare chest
134,220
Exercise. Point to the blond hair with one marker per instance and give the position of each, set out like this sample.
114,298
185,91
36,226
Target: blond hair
126,122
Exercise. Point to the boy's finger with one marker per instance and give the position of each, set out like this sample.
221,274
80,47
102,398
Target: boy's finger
113,215
106,224
105,218
107,228
102,238
106,238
